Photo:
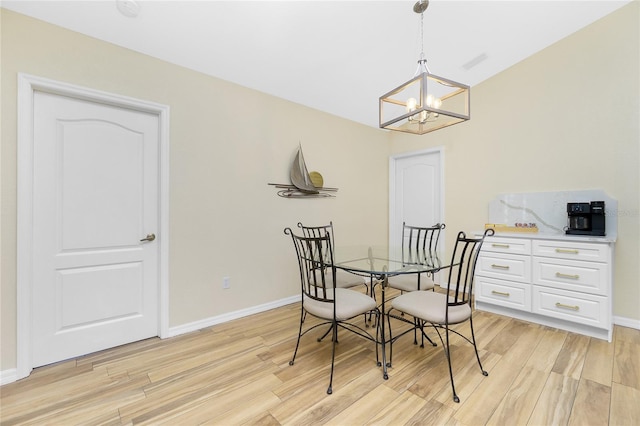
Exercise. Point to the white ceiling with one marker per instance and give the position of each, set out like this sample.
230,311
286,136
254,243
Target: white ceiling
334,56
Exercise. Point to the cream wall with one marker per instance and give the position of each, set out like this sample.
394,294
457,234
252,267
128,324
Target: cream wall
227,143
563,119
566,118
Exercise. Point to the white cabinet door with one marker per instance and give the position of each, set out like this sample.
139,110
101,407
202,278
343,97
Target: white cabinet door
581,308
585,277
511,267
571,250
511,294
507,245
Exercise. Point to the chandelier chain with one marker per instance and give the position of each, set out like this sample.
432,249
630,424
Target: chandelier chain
420,7
422,35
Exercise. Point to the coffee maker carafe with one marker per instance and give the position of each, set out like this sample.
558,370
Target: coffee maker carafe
586,218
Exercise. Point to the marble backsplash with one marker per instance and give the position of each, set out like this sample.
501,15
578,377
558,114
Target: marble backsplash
548,210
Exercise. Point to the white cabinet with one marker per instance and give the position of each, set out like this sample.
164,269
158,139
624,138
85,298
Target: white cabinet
560,282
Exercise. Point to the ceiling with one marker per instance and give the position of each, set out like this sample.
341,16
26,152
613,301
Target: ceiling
334,56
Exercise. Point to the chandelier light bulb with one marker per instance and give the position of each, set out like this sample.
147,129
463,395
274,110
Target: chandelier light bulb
433,102
411,104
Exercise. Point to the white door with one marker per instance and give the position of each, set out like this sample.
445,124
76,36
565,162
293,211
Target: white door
415,191
95,197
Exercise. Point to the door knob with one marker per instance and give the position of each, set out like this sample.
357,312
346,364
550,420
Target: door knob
149,237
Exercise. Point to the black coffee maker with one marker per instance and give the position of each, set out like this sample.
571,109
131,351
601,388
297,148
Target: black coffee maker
586,218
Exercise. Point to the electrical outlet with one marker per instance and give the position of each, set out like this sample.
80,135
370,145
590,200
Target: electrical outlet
226,282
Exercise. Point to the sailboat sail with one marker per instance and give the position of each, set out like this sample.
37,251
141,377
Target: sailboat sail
300,176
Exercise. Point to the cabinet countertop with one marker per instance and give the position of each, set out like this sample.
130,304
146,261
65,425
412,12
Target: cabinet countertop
557,237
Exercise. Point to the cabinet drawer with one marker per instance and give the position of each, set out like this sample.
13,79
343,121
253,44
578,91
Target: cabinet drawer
507,245
504,293
588,277
593,252
504,266
576,307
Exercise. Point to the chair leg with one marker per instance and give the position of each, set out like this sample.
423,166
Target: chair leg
448,354
295,351
334,326
326,333
473,338
377,339
424,335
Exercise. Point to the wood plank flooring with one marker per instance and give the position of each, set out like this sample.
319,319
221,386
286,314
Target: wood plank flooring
238,373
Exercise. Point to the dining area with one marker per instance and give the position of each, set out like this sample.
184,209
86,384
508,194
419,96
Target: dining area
229,288
364,288
248,371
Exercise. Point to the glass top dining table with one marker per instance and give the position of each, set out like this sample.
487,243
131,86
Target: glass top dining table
381,262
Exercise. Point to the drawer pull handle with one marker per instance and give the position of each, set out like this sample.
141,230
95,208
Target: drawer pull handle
569,251
500,245
500,293
573,308
573,277
493,265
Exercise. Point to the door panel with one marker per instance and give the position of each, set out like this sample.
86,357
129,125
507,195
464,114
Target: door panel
416,192
95,195
418,204
101,162
91,295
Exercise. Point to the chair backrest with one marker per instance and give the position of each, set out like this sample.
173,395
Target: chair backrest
420,243
317,231
315,260
461,273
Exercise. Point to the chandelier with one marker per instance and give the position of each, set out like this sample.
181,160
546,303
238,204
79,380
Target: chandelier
426,102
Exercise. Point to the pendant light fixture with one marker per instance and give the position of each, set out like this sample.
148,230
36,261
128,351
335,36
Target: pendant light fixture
426,102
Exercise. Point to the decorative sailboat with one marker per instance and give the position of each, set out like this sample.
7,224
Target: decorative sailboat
300,175
302,184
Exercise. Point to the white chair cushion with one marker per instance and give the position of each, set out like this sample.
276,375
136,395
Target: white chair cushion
431,307
349,303
409,282
346,279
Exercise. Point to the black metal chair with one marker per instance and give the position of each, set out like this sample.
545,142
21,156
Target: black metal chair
321,298
442,310
344,279
419,244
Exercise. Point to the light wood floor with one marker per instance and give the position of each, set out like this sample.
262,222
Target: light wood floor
238,373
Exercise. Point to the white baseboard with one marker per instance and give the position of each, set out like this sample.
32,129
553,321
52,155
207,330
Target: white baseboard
208,322
8,376
627,322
